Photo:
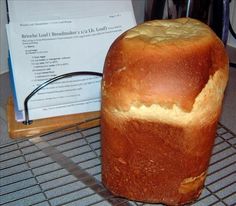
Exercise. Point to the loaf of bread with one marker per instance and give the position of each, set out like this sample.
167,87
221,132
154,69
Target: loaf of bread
162,92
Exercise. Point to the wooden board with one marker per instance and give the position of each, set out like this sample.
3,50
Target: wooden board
38,127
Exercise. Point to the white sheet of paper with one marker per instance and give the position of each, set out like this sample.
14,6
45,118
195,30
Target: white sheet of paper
44,10
42,50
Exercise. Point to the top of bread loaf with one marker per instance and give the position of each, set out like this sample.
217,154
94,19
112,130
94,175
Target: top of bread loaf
168,31
174,66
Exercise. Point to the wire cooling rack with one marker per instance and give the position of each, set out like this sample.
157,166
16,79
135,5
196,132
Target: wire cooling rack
64,168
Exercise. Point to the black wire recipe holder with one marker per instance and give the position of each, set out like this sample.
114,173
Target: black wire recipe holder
28,128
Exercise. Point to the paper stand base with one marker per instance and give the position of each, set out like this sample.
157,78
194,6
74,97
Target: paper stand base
38,127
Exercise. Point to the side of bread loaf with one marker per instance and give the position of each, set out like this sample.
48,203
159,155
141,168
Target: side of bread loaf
162,92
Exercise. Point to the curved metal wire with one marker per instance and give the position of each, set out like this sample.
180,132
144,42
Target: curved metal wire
41,86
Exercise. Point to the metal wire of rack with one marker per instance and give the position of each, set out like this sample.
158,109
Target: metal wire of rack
64,168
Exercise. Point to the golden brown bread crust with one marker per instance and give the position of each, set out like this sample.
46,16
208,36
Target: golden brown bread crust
142,161
167,72
161,99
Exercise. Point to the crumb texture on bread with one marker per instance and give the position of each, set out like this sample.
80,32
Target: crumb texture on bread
206,106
